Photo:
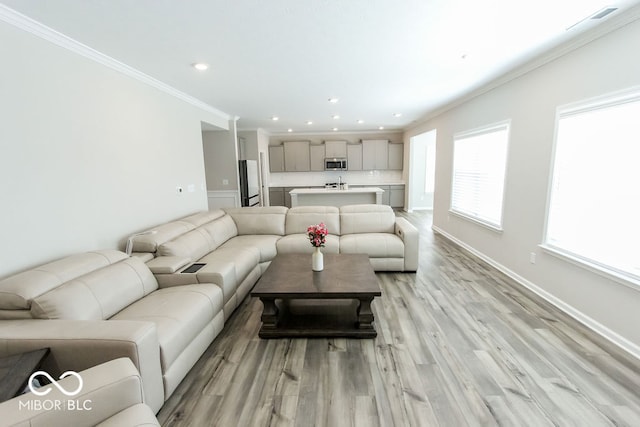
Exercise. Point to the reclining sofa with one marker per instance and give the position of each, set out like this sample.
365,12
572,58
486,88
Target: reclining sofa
234,246
159,309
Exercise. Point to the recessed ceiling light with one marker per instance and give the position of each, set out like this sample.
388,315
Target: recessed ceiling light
397,114
333,100
309,122
335,117
200,66
275,118
381,127
360,121
334,129
289,130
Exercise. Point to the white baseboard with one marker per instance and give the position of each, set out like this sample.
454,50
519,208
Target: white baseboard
587,321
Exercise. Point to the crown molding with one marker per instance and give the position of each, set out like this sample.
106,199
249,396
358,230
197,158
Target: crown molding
38,29
337,133
613,23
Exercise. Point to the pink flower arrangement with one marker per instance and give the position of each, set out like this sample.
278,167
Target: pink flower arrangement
317,234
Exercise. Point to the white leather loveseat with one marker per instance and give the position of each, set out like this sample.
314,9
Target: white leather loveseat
97,306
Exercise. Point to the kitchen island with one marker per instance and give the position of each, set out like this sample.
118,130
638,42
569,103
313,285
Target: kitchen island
335,197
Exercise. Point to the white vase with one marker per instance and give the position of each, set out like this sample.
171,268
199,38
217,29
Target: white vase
317,260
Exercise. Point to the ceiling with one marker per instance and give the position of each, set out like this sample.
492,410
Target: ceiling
286,58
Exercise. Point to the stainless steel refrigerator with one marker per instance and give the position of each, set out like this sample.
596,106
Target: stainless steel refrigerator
249,185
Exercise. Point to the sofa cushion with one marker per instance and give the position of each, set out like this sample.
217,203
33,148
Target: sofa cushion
180,314
299,243
228,267
193,245
97,295
376,245
17,292
162,233
367,219
301,217
259,220
200,218
265,244
220,230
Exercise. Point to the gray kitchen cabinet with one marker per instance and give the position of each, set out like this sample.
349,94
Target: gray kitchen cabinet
317,155
354,157
276,196
296,156
375,154
335,149
396,154
396,196
276,158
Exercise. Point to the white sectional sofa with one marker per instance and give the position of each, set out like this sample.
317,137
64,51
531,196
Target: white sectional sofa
98,306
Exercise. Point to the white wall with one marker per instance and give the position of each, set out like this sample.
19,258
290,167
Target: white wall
422,148
87,154
607,64
221,160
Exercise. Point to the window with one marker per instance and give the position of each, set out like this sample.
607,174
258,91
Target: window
479,165
594,202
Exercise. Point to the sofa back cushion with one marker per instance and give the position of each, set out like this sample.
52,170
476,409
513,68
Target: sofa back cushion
17,292
163,233
367,219
301,217
193,245
221,230
199,242
259,220
97,295
203,217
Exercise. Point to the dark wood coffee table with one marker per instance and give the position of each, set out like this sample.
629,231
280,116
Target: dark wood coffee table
335,302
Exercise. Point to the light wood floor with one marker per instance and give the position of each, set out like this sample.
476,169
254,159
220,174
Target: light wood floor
459,344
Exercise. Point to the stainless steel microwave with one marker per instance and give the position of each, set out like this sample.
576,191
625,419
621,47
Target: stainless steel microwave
334,164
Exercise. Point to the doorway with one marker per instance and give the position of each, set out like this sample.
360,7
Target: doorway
422,167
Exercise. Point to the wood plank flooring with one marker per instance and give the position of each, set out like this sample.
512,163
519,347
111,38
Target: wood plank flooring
459,344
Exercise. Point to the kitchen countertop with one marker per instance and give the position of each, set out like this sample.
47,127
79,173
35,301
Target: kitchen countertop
322,185
336,191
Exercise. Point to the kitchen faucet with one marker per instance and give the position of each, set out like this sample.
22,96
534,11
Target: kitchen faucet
340,182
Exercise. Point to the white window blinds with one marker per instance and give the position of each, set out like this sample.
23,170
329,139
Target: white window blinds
594,204
479,165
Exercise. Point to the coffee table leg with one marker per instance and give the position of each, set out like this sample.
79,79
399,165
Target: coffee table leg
269,313
365,315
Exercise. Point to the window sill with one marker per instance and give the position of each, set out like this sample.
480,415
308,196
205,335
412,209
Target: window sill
487,225
621,278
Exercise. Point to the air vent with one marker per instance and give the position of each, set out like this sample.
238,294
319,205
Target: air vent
604,12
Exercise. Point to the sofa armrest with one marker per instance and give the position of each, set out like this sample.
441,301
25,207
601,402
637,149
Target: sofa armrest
409,235
80,344
107,390
167,264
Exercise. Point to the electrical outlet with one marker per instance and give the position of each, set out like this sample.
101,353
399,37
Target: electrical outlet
225,182
532,257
